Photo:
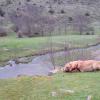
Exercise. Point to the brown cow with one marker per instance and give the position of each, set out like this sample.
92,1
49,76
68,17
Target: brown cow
82,66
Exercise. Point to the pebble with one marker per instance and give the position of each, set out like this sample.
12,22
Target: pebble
89,97
54,94
66,91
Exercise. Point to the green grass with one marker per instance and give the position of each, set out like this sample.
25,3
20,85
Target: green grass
40,88
12,47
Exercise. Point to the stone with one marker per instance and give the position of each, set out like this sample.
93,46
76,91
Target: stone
89,97
67,91
54,93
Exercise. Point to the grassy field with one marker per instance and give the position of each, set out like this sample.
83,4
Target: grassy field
41,88
12,47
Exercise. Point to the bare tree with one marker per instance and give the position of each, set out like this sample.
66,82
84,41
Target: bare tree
81,23
30,20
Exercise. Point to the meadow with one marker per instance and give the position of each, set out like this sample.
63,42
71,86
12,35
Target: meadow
12,47
41,87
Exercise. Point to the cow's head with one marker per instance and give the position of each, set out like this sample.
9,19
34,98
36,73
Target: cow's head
71,67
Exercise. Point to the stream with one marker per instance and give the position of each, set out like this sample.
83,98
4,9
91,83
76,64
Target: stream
42,65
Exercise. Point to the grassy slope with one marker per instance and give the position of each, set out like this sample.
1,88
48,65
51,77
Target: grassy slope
11,47
40,88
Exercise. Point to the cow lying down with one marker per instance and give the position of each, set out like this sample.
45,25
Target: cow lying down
80,66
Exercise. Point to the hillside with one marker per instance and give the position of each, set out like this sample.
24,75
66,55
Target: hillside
77,16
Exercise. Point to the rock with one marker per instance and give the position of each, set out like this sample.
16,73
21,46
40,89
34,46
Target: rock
11,63
23,60
5,49
54,71
66,91
50,74
89,97
54,94
62,91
